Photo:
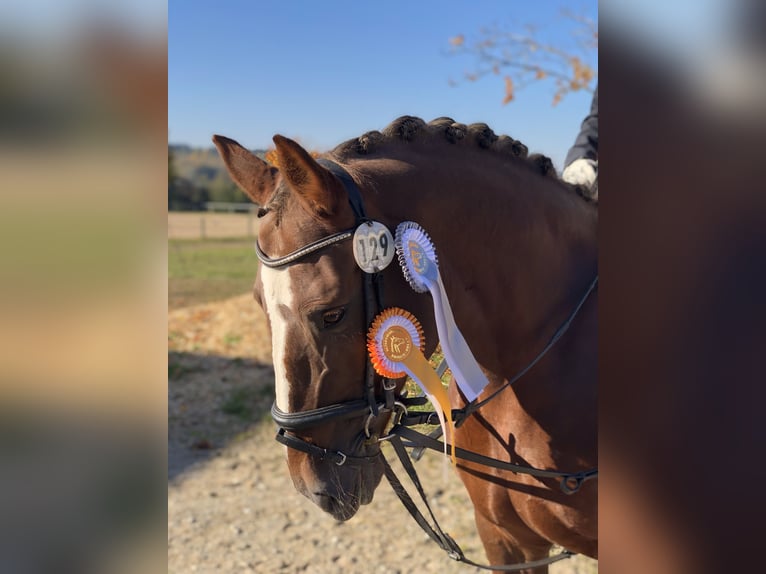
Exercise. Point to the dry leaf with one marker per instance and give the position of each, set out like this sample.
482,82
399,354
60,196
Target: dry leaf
508,90
271,157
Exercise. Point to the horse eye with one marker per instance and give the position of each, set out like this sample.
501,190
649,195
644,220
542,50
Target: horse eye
333,317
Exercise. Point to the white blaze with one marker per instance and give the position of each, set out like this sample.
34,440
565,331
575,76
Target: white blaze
277,291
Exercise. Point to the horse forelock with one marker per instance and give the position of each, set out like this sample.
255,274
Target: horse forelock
277,204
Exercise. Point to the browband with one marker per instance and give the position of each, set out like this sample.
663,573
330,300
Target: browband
303,251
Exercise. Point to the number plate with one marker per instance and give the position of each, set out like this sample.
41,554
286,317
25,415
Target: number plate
373,247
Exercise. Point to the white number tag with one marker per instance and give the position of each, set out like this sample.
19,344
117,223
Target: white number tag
373,247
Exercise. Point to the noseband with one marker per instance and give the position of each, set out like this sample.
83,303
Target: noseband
373,304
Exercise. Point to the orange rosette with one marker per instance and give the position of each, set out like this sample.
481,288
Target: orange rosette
392,337
396,344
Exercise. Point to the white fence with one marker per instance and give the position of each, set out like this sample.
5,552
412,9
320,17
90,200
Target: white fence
230,207
208,225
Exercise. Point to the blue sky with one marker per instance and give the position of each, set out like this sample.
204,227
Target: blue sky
324,72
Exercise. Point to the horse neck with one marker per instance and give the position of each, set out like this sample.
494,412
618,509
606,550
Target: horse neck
516,250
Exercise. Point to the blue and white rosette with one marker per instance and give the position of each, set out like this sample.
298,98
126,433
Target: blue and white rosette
417,258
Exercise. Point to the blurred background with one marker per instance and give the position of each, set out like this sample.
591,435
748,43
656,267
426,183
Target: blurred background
86,119
83,110
681,319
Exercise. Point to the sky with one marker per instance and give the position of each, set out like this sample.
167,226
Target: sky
325,72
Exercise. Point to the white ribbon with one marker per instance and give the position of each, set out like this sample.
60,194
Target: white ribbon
417,257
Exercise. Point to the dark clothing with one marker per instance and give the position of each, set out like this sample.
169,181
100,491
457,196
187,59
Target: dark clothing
586,144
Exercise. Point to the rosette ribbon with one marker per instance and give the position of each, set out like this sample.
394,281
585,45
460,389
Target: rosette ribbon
417,258
395,342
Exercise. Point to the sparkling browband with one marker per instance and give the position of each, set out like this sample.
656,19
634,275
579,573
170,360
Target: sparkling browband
303,251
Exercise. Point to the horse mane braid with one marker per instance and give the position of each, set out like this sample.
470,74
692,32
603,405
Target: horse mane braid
408,129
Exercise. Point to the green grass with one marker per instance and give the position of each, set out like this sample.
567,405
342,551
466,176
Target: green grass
176,371
206,270
231,339
247,402
239,403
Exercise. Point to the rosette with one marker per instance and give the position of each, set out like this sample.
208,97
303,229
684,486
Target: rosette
395,343
417,258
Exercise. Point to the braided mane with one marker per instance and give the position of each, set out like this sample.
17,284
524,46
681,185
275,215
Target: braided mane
410,128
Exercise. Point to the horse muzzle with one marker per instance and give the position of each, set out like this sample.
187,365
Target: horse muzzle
341,506
339,491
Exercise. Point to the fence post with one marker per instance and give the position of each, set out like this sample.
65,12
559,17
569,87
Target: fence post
202,226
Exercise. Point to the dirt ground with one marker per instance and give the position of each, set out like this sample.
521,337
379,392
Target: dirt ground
231,504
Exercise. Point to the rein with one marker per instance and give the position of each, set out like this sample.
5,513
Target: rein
474,406
444,540
373,303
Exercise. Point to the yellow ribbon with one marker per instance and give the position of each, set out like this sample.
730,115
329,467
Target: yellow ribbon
420,369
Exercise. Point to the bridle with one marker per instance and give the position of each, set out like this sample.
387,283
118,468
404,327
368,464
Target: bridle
372,285
570,482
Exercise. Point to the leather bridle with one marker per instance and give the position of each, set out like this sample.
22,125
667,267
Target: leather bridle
372,285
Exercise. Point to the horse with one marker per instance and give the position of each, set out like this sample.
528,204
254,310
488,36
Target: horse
517,249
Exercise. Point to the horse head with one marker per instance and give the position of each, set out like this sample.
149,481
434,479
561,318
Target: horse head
315,307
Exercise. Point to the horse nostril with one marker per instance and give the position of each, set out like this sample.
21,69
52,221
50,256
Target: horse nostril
324,501
338,506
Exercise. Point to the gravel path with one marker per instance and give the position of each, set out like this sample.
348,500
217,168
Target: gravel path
231,504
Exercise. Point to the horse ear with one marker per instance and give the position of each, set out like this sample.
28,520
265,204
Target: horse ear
254,176
314,184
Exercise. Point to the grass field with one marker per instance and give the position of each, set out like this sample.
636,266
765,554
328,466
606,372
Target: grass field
200,271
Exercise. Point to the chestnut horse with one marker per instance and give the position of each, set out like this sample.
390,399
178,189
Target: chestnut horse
517,250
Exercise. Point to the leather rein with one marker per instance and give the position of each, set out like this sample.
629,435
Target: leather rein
570,482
